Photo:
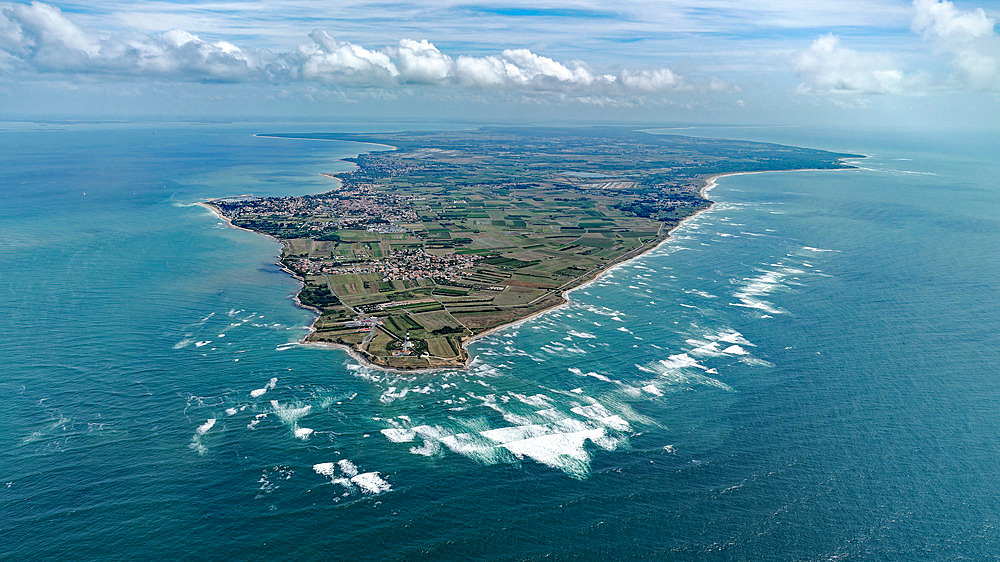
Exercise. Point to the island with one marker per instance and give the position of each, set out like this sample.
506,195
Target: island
437,238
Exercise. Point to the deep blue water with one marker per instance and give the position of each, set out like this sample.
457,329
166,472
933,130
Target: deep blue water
807,370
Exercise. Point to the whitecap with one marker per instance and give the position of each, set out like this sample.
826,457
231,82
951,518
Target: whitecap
756,361
680,360
324,469
290,414
701,293
399,435
600,414
371,483
203,428
732,336
652,389
562,451
347,467
705,348
539,400
598,376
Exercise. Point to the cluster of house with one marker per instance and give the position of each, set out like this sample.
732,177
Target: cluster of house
363,207
407,264
379,166
360,207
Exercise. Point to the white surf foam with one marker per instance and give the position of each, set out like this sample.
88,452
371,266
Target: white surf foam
705,348
348,468
325,469
371,483
701,293
598,376
399,435
539,400
203,428
290,414
601,415
652,389
562,451
735,350
674,372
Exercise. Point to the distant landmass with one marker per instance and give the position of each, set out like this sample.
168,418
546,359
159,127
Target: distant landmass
450,235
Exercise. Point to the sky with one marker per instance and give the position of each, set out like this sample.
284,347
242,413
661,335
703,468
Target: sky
881,62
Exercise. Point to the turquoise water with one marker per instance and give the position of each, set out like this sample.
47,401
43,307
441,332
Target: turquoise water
807,370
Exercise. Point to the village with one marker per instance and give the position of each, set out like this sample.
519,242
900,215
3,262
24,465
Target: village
407,264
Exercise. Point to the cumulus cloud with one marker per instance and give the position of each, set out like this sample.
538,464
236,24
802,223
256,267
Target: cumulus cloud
829,68
329,60
38,37
658,80
420,61
968,37
41,37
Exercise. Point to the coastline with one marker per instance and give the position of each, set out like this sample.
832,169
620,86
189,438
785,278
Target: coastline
215,211
710,182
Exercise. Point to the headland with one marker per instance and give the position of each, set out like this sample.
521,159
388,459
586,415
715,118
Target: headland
437,239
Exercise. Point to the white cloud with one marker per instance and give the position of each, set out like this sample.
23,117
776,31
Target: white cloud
50,28
483,72
523,67
716,84
968,37
421,61
828,68
329,60
659,80
941,19
40,38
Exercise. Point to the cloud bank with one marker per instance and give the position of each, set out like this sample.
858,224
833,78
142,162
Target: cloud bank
40,38
829,68
967,37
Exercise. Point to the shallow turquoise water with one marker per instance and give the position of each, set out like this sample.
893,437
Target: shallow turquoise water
807,370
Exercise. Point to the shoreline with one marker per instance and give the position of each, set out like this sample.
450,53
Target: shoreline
710,182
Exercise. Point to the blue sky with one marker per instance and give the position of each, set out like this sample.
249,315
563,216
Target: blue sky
736,61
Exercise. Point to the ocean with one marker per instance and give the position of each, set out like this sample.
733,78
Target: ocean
808,370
